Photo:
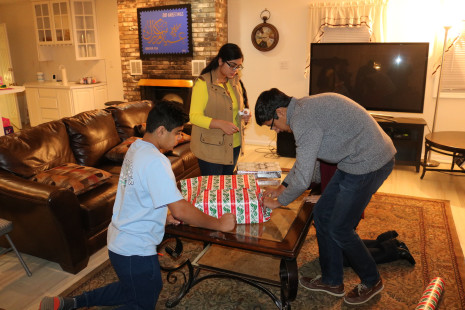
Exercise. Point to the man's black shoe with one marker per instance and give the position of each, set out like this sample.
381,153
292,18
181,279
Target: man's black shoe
388,235
404,253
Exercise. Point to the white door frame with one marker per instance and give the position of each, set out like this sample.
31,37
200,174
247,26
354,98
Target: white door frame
8,103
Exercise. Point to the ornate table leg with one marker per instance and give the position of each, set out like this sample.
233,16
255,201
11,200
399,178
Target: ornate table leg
174,271
288,273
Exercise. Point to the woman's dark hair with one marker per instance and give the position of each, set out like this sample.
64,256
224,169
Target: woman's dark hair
267,104
229,51
169,114
244,95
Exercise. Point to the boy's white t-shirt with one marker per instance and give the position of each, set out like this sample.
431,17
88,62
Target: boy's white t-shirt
146,185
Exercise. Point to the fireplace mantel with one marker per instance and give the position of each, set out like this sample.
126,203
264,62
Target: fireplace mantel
165,83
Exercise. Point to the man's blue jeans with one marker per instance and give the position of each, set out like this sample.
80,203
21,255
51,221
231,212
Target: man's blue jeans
336,215
138,287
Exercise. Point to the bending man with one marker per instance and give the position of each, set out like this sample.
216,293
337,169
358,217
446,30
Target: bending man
333,128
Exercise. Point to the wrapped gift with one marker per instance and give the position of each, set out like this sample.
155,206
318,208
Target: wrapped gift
260,169
217,195
190,188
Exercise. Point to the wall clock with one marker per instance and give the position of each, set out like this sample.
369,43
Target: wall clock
265,36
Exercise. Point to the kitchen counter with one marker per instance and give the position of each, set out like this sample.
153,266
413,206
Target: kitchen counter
71,85
47,101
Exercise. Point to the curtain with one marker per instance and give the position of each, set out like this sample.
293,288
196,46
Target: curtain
371,13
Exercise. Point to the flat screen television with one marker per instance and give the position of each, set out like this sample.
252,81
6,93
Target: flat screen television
378,76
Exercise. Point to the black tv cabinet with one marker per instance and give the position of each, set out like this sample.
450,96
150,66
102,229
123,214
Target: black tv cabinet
406,134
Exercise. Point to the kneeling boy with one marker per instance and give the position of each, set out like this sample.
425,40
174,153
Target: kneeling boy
146,190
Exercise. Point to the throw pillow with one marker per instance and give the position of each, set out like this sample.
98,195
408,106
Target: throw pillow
78,179
118,152
141,129
91,135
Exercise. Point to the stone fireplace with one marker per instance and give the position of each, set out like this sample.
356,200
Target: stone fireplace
169,89
209,32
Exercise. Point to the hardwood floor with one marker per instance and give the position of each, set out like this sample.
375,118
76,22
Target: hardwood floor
20,292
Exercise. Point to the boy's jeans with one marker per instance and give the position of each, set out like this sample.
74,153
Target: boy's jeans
336,215
138,287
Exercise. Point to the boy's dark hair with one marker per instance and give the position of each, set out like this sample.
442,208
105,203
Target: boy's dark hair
227,52
268,102
169,114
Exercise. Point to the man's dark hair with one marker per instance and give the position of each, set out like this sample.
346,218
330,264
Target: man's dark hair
169,114
268,102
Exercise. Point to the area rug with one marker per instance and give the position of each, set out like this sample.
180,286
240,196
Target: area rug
425,225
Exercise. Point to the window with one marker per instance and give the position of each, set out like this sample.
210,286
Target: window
453,72
345,34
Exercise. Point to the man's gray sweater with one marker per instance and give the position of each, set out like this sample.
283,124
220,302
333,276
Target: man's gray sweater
335,129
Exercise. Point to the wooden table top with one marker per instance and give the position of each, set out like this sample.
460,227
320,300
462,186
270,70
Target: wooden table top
282,235
453,141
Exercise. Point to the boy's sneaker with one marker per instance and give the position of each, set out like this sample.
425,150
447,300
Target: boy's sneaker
361,293
316,285
57,303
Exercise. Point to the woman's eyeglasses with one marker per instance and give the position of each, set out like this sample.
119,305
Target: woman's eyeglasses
234,66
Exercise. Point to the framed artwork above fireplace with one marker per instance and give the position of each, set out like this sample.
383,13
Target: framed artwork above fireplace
165,30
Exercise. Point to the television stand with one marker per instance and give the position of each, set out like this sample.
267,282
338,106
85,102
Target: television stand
406,134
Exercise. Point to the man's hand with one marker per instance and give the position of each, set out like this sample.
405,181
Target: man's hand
227,222
274,192
170,220
271,203
312,198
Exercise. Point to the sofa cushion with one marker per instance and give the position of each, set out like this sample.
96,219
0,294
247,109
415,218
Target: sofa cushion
78,179
118,152
129,114
36,149
91,135
140,130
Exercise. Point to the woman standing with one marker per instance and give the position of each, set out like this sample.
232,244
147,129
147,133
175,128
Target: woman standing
217,98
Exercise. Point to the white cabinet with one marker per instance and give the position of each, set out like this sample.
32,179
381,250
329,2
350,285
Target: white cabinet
49,101
52,22
85,29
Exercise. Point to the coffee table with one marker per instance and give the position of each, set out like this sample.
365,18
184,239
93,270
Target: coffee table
450,143
277,241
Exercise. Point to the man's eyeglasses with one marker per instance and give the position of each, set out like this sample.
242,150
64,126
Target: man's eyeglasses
275,116
234,66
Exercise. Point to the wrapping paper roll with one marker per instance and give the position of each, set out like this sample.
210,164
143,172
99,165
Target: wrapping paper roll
431,294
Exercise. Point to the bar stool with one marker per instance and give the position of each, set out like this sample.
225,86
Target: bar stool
6,227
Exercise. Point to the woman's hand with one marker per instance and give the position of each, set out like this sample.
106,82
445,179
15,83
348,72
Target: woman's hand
227,127
246,118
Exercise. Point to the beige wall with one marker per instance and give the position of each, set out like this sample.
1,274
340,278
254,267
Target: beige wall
283,67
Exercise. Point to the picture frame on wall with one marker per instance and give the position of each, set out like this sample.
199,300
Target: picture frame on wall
165,30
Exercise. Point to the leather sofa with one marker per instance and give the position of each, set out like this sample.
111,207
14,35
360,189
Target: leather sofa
52,222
